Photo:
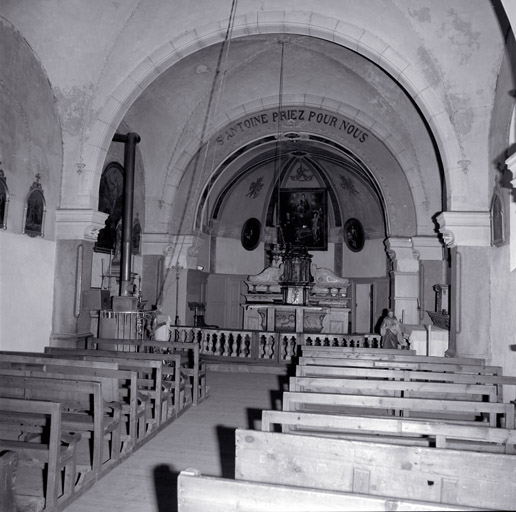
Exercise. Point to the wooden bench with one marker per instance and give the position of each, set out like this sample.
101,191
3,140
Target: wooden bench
386,355
85,411
199,493
441,366
193,367
452,477
117,385
412,389
500,381
313,350
159,376
393,430
498,414
54,451
192,364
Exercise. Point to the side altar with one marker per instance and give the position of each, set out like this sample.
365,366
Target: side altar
294,295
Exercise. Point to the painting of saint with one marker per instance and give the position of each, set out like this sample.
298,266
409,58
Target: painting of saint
303,218
34,210
111,202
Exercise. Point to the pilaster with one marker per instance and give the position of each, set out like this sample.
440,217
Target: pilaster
468,236
405,279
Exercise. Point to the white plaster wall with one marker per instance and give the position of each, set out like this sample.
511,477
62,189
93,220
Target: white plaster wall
26,292
371,261
232,258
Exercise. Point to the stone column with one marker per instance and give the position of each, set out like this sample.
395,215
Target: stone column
468,235
432,271
404,279
76,233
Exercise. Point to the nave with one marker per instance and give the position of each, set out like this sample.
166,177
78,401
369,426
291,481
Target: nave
202,438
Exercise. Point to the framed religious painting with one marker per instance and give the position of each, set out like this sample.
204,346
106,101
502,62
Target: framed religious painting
354,235
250,235
497,221
303,217
35,210
111,201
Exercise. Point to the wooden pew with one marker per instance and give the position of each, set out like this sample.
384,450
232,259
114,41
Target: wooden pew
393,430
193,366
86,410
199,493
452,477
172,370
412,389
154,372
8,465
500,381
498,414
133,408
386,355
360,350
54,451
117,385
441,366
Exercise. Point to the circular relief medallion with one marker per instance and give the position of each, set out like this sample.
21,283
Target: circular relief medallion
354,235
250,236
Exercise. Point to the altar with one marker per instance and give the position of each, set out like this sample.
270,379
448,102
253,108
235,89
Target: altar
292,318
296,296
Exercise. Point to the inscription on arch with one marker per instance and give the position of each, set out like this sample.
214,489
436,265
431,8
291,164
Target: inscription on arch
295,117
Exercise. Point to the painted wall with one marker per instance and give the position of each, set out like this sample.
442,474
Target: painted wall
26,292
371,261
232,258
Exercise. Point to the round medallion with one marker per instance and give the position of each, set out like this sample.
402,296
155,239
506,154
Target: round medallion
354,235
250,236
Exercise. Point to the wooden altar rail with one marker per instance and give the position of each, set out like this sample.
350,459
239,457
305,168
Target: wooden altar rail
264,347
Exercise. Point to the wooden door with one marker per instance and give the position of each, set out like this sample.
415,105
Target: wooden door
223,300
363,307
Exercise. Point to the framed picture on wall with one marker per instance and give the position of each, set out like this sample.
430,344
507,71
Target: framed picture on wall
250,235
303,217
110,202
354,235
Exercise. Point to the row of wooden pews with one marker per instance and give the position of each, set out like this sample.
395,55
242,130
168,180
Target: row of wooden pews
372,429
71,415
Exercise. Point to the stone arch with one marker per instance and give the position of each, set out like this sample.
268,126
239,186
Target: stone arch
218,155
299,23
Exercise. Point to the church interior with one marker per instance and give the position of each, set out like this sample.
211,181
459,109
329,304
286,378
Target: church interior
278,172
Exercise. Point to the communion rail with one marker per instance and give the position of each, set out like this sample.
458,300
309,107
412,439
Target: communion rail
256,347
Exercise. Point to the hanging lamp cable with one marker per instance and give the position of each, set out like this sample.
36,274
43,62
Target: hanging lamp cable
277,158
212,104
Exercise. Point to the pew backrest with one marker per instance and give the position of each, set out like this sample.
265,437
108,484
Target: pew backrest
460,410
384,355
453,477
448,391
406,365
435,433
199,493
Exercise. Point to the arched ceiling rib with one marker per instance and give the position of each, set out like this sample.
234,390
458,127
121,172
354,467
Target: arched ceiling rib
170,111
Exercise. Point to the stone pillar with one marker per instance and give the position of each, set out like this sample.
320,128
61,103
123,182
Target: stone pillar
76,233
432,271
468,235
404,279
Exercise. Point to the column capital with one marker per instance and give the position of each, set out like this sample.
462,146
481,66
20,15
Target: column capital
79,223
428,247
401,253
465,228
155,243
